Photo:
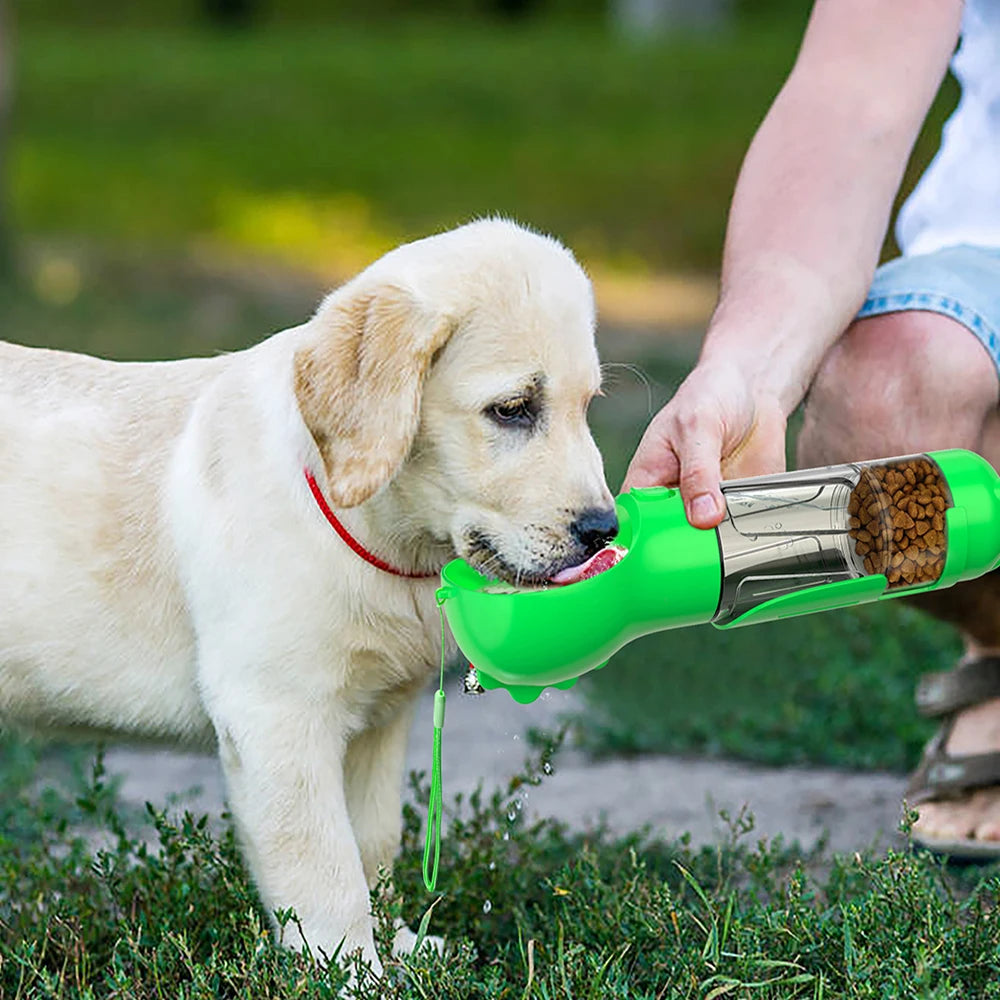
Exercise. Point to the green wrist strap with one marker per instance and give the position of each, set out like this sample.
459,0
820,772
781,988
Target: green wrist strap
432,836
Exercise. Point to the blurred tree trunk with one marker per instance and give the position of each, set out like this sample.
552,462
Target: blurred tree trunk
6,82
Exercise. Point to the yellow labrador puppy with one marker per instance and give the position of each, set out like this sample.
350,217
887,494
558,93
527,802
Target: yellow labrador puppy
242,551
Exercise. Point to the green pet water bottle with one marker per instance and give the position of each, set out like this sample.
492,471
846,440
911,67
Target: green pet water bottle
789,545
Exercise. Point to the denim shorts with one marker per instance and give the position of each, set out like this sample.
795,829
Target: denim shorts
962,282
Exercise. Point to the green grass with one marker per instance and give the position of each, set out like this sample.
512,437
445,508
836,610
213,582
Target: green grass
529,911
328,143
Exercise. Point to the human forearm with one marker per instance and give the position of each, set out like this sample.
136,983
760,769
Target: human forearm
808,217
812,202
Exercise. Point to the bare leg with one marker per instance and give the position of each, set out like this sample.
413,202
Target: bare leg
910,382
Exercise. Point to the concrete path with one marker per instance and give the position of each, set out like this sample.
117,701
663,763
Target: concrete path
484,741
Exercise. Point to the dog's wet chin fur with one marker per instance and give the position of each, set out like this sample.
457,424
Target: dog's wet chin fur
484,555
175,578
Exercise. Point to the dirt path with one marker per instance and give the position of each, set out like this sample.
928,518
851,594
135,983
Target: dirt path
484,740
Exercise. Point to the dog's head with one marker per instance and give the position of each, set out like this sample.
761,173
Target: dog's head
459,369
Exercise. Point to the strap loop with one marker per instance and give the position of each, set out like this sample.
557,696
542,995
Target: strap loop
432,834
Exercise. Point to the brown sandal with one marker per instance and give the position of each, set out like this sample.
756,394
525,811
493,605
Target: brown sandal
942,776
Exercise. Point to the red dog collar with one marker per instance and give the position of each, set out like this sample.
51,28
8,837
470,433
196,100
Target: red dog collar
351,541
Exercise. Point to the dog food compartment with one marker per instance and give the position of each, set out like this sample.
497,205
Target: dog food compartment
788,533
897,520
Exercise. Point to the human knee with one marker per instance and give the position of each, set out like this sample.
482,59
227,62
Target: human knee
898,383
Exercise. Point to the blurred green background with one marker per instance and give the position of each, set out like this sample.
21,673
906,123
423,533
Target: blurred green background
181,178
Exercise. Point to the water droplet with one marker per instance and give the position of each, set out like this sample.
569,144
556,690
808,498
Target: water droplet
547,767
487,906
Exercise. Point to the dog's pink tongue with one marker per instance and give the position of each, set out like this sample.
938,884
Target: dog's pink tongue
597,563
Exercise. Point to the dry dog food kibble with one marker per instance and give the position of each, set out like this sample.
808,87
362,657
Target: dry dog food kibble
897,520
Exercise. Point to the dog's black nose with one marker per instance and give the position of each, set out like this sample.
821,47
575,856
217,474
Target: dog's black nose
594,528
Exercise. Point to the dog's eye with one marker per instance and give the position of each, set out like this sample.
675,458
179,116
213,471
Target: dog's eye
518,412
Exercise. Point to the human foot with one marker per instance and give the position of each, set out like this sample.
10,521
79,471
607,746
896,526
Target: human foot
956,790
976,815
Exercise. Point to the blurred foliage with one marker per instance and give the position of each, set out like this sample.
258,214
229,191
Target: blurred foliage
627,153
324,145
137,306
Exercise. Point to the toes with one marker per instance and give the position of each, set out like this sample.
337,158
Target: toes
946,820
988,831
988,826
976,817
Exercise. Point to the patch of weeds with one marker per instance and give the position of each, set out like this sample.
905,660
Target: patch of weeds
527,909
180,918
597,916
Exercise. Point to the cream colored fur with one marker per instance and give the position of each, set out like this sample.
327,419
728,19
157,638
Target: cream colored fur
165,573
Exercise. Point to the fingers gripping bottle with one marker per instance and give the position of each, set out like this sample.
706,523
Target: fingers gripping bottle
790,544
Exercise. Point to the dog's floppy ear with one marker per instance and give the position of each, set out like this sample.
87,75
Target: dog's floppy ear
360,381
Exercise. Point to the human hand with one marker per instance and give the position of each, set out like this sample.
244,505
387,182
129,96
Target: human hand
717,423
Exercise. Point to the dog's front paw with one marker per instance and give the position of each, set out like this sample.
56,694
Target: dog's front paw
405,941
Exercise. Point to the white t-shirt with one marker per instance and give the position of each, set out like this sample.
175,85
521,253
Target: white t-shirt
958,198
